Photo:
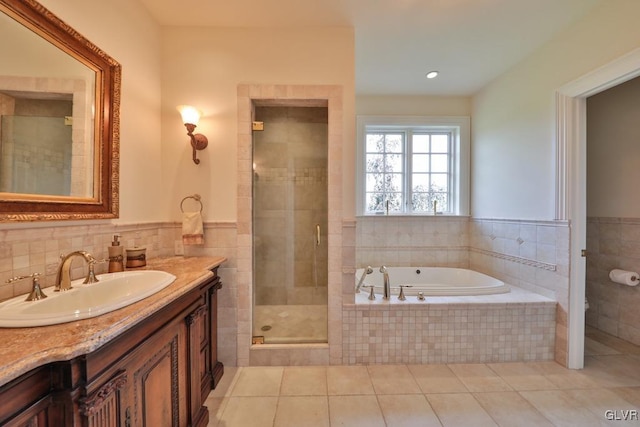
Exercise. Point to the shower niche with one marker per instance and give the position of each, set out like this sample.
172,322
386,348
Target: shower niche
290,220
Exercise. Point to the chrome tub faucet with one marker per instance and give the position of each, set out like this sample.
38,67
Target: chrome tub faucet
366,271
386,283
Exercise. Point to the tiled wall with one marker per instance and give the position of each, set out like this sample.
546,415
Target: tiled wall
220,239
533,255
297,95
613,243
37,249
81,181
289,199
403,241
448,333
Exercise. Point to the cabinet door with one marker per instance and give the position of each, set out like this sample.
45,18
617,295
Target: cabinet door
103,408
155,393
36,416
28,401
199,363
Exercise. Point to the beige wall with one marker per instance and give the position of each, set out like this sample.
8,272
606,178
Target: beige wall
125,31
413,105
203,67
513,128
613,170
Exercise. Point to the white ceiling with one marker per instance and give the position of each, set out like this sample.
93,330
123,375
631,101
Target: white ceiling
397,42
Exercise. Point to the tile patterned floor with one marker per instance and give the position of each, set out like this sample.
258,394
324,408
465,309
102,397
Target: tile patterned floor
606,392
290,323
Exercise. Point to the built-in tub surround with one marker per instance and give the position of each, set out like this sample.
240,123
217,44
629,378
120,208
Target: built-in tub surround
511,327
531,255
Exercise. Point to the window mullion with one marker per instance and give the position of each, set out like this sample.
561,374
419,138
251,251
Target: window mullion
408,157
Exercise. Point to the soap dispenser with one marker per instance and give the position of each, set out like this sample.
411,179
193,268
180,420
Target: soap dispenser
116,255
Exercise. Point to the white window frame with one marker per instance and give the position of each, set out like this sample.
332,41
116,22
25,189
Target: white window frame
459,126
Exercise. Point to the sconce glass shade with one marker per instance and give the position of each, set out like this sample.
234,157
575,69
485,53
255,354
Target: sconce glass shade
189,114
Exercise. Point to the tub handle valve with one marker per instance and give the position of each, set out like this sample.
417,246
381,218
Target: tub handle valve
421,296
401,296
372,295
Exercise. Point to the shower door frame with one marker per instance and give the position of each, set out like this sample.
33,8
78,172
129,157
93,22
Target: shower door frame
302,278
331,97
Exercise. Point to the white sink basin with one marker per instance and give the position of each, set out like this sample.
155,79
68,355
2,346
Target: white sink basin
113,291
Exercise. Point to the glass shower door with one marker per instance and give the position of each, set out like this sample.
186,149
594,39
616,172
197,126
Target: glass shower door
290,225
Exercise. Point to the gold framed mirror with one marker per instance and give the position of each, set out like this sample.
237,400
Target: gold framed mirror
59,120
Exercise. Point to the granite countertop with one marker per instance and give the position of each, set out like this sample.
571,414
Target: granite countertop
24,349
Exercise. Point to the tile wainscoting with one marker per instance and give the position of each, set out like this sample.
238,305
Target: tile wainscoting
532,255
25,250
613,243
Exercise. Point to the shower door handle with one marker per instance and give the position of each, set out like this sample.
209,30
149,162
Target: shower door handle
317,234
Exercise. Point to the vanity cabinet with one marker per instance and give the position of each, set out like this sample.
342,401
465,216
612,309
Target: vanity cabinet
158,373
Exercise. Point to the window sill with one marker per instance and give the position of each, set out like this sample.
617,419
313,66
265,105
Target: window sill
448,215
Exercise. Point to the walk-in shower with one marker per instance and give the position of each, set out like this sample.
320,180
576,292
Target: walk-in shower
290,207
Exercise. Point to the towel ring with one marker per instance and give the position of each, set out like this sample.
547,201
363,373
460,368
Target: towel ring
195,197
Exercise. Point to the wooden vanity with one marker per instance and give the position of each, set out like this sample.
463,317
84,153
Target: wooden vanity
152,363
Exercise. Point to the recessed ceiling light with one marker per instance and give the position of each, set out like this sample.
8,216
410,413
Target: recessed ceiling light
432,74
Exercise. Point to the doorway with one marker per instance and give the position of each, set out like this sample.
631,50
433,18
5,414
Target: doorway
613,213
571,181
290,218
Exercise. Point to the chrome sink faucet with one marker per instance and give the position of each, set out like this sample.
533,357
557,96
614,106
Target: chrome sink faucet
63,277
387,284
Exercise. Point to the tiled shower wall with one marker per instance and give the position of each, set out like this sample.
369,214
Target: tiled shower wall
613,243
289,200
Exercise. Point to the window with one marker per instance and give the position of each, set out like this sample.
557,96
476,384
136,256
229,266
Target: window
413,166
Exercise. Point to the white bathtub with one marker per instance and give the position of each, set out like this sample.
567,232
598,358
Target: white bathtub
433,281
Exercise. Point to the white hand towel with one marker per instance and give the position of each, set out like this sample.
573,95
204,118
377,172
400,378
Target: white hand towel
192,230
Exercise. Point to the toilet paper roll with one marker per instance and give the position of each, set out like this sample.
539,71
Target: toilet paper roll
629,278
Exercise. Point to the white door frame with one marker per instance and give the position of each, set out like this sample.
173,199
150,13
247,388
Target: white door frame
571,188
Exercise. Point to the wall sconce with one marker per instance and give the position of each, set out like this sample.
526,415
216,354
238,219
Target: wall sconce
190,118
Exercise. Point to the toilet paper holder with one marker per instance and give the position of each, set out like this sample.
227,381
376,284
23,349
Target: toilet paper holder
629,278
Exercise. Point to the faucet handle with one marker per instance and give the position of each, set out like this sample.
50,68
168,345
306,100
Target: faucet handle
91,274
36,291
372,295
401,296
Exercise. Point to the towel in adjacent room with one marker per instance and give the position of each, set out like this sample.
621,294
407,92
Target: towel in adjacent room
192,230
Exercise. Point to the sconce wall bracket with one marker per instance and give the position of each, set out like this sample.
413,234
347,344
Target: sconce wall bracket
198,141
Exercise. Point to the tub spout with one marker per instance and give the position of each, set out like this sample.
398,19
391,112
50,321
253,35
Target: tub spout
366,271
387,284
